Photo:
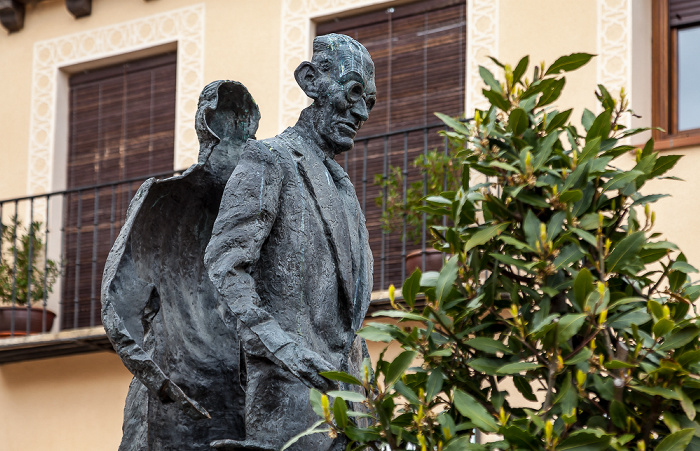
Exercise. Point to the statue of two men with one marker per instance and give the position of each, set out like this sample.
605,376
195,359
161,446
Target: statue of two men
289,261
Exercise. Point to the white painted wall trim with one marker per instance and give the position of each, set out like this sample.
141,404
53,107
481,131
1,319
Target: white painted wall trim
53,57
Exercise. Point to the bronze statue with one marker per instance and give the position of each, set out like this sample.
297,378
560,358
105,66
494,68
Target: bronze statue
289,252
224,344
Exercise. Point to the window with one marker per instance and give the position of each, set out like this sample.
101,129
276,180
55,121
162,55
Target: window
122,122
676,64
419,54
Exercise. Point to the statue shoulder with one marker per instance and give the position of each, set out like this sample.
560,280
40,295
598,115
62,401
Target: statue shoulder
270,151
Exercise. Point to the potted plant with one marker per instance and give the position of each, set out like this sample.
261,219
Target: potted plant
26,278
441,173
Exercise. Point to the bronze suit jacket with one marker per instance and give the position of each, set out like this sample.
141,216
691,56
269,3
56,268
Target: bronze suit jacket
289,252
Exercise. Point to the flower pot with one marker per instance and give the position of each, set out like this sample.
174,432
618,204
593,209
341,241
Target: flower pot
21,317
433,261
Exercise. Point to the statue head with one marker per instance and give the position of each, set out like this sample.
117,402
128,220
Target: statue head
340,80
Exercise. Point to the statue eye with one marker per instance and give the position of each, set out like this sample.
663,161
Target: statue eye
355,91
370,102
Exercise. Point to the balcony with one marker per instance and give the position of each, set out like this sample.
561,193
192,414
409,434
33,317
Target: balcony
73,231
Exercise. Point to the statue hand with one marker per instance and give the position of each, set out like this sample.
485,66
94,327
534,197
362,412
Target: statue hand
310,364
171,392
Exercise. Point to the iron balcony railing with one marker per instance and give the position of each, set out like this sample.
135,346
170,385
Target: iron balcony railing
56,264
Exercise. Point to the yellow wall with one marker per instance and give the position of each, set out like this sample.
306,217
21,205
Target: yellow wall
63,404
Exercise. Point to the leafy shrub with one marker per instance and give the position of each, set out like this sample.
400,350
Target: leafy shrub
22,265
563,319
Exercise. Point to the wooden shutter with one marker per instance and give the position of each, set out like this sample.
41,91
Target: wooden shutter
683,12
122,121
419,55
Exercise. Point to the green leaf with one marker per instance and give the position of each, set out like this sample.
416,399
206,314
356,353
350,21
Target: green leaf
657,391
411,287
570,254
340,413
484,365
398,366
434,385
373,333
544,149
361,435
587,119
406,392
664,164
618,365
581,356
558,121
508,260
686,403
470,408
341,376
651,198
520,69
571,196
524,388
569,63
689,358
600,127
662,327
519,438
483,236
680,338
625,251
518,121
314,429
531,228
315,399
618,414
517,367
678,441
488,345
590,150
497,99
684,267
585,440
462,443
400,314
569,325
453,123
622,180
551,92
347,395
583,285
489,79
446,279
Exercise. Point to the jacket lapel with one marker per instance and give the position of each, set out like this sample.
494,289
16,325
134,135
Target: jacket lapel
319,182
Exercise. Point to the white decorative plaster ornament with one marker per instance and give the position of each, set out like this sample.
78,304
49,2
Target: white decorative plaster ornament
184,26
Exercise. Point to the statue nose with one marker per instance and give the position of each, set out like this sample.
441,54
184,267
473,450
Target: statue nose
359,109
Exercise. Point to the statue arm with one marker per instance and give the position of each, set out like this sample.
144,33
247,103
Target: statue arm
248,210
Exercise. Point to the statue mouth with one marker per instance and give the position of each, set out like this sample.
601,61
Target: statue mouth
349,127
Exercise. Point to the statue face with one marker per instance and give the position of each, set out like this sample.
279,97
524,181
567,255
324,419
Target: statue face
345,104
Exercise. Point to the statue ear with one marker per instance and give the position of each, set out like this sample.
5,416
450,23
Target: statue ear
307,76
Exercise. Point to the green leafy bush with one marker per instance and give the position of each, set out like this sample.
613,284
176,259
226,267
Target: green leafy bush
21,262
563,319
440,169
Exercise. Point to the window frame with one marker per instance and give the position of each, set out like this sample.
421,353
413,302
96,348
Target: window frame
665,82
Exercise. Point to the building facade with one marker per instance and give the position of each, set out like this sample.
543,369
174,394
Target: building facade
99,95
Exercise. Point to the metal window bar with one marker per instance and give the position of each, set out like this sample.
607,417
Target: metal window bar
25,266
